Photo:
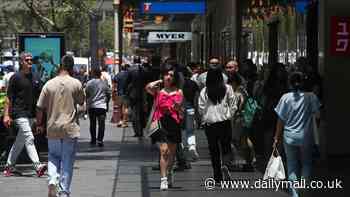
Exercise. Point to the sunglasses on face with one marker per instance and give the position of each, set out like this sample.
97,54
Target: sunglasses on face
28,60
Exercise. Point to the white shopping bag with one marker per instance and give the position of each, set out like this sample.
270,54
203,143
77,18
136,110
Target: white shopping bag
275,168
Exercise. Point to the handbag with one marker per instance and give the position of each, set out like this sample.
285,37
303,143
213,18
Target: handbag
275,168
250,110
152,126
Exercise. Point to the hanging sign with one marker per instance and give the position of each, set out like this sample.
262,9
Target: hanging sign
167,37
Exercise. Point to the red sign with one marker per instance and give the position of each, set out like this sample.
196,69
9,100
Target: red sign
147,7
110,61
340,36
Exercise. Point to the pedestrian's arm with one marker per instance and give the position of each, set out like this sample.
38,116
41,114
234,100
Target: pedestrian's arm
179,104
202,103
318,119
40,107
80,95
39,121
232,100
8,102
152,87
108,93
114,89
7,108
279,132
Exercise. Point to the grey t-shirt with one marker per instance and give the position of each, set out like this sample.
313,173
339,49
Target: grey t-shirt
97,92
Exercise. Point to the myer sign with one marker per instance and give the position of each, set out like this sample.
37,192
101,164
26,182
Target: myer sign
167,37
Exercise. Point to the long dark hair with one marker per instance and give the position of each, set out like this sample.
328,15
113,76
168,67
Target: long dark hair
171,67
216,88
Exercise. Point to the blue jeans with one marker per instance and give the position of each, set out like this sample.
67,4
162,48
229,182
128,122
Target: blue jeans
297,155
189,126
61,161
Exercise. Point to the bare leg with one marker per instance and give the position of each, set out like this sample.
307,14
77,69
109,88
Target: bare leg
164,159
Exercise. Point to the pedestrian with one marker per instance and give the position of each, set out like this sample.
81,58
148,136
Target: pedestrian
217,104
243,89
275,85
170,114
82,76
213,63
60,99
105,75
295,112
136,96
22,91
191,93
232,68
97,95
196,70
121,98
238,141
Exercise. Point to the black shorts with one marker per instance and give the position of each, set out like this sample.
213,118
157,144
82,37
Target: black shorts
170,131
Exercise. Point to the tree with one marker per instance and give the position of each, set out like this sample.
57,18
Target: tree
106,31
68,16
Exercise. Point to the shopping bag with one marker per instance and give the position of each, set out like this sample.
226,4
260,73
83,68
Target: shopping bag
152,126
275,168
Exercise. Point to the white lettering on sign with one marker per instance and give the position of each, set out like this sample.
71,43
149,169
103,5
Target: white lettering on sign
342,45
344,29
166,37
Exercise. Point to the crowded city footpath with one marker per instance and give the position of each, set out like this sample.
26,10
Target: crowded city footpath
123,168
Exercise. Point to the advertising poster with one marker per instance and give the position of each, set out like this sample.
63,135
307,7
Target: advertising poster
47,50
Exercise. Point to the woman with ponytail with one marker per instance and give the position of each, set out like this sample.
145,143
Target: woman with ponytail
295,111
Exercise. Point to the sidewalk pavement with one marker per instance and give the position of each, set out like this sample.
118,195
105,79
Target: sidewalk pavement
123,168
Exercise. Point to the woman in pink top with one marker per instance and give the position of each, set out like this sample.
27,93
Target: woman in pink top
169,112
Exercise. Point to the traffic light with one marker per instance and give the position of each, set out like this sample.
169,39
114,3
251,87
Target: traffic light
129,20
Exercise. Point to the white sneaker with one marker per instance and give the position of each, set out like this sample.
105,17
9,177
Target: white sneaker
164,183
193,153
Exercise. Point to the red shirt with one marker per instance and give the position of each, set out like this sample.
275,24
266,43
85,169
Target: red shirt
165,105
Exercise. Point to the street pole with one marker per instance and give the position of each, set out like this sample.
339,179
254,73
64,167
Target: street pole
116,6
93,39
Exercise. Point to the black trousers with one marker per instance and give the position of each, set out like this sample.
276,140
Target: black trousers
99,115
219,138
138,117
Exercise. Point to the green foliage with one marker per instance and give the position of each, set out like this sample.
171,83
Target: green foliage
106,33
68,16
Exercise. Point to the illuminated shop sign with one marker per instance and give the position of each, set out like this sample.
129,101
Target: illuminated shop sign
195,7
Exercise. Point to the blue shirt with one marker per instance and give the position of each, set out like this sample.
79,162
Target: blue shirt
296,110
120,79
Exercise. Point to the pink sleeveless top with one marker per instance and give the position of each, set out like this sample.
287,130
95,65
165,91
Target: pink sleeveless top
165,104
